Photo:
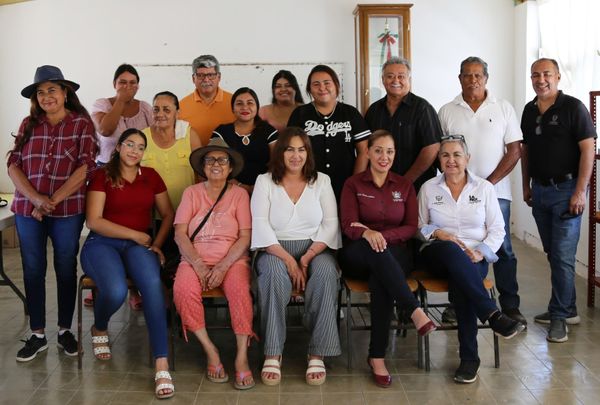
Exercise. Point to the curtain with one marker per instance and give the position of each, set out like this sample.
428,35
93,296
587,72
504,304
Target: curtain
570,33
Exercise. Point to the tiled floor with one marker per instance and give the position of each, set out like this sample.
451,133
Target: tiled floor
532,370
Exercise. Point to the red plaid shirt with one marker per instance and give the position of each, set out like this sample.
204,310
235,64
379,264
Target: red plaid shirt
49,158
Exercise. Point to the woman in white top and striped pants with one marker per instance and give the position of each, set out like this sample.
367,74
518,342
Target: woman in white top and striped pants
295,221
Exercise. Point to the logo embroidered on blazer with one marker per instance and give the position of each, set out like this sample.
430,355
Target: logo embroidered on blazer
397,196
473,199
439,200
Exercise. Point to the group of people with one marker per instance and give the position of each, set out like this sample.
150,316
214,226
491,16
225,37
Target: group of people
194,185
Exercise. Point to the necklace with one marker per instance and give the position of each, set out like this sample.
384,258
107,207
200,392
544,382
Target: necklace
325,116
245,138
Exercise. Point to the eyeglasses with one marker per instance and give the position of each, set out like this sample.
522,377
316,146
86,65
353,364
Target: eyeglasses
453,138
210,161
209,76
132,146
538,128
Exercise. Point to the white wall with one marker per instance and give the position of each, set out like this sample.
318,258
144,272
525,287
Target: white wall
526,50
87,39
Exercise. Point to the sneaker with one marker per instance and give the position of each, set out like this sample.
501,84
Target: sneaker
557,332
544,318
466,373
449,316
515,315
32,347
67,342
504,326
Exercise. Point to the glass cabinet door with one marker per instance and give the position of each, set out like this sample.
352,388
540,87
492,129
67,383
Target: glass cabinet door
382,31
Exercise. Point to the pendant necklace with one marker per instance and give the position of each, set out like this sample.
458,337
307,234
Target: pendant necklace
245,138
325,116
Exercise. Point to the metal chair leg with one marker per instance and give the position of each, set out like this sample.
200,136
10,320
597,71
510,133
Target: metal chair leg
349,326
173,315
496,345
79,325
426,338
420,339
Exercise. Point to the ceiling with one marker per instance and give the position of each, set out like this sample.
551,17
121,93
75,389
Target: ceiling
5,2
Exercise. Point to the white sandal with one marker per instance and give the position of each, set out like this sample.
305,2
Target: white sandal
164,386
271,366
316,366
103,349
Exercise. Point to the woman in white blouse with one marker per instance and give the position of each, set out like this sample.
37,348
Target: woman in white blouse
461,222
295,223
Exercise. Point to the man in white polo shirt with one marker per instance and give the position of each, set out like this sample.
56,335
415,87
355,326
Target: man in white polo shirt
492,132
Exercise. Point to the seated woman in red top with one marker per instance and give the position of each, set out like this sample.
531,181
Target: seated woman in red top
120,200
379,214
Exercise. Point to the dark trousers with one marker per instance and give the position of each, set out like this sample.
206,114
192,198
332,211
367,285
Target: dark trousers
385,273
471,300
505,269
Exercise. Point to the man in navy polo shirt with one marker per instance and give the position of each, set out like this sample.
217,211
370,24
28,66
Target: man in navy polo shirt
557,161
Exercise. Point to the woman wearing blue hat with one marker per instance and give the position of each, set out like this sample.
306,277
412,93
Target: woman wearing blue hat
55,149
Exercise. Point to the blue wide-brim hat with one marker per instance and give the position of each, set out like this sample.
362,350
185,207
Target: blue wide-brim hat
46,73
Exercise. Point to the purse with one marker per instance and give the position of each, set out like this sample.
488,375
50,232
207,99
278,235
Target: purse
171,264
207,214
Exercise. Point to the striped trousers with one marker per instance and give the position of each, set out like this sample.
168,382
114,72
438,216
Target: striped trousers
274,292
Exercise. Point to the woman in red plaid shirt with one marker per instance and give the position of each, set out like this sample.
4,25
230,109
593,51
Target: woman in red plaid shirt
54,151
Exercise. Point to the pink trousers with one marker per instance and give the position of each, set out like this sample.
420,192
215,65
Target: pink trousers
187,294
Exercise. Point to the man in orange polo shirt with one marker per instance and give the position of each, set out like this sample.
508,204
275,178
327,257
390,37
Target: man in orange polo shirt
208,106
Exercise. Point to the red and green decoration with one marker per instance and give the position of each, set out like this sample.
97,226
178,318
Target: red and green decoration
386,39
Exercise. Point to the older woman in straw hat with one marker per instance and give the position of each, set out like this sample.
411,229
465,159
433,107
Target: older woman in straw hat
212,230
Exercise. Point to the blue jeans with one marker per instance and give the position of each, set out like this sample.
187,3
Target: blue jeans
505,269
64,233
559,239
470,299
109,261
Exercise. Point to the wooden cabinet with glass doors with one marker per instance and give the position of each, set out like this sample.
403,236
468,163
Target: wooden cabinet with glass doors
381,31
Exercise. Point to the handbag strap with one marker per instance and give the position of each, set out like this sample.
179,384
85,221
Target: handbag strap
208,214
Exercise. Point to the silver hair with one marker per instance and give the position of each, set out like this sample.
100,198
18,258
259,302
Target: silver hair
455,138
396,60
479,61
206,61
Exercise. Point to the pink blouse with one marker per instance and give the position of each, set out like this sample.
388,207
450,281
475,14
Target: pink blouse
220,232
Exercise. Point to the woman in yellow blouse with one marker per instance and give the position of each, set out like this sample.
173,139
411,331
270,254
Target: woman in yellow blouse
170,143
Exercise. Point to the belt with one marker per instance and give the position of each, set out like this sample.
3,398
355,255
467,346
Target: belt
551,181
